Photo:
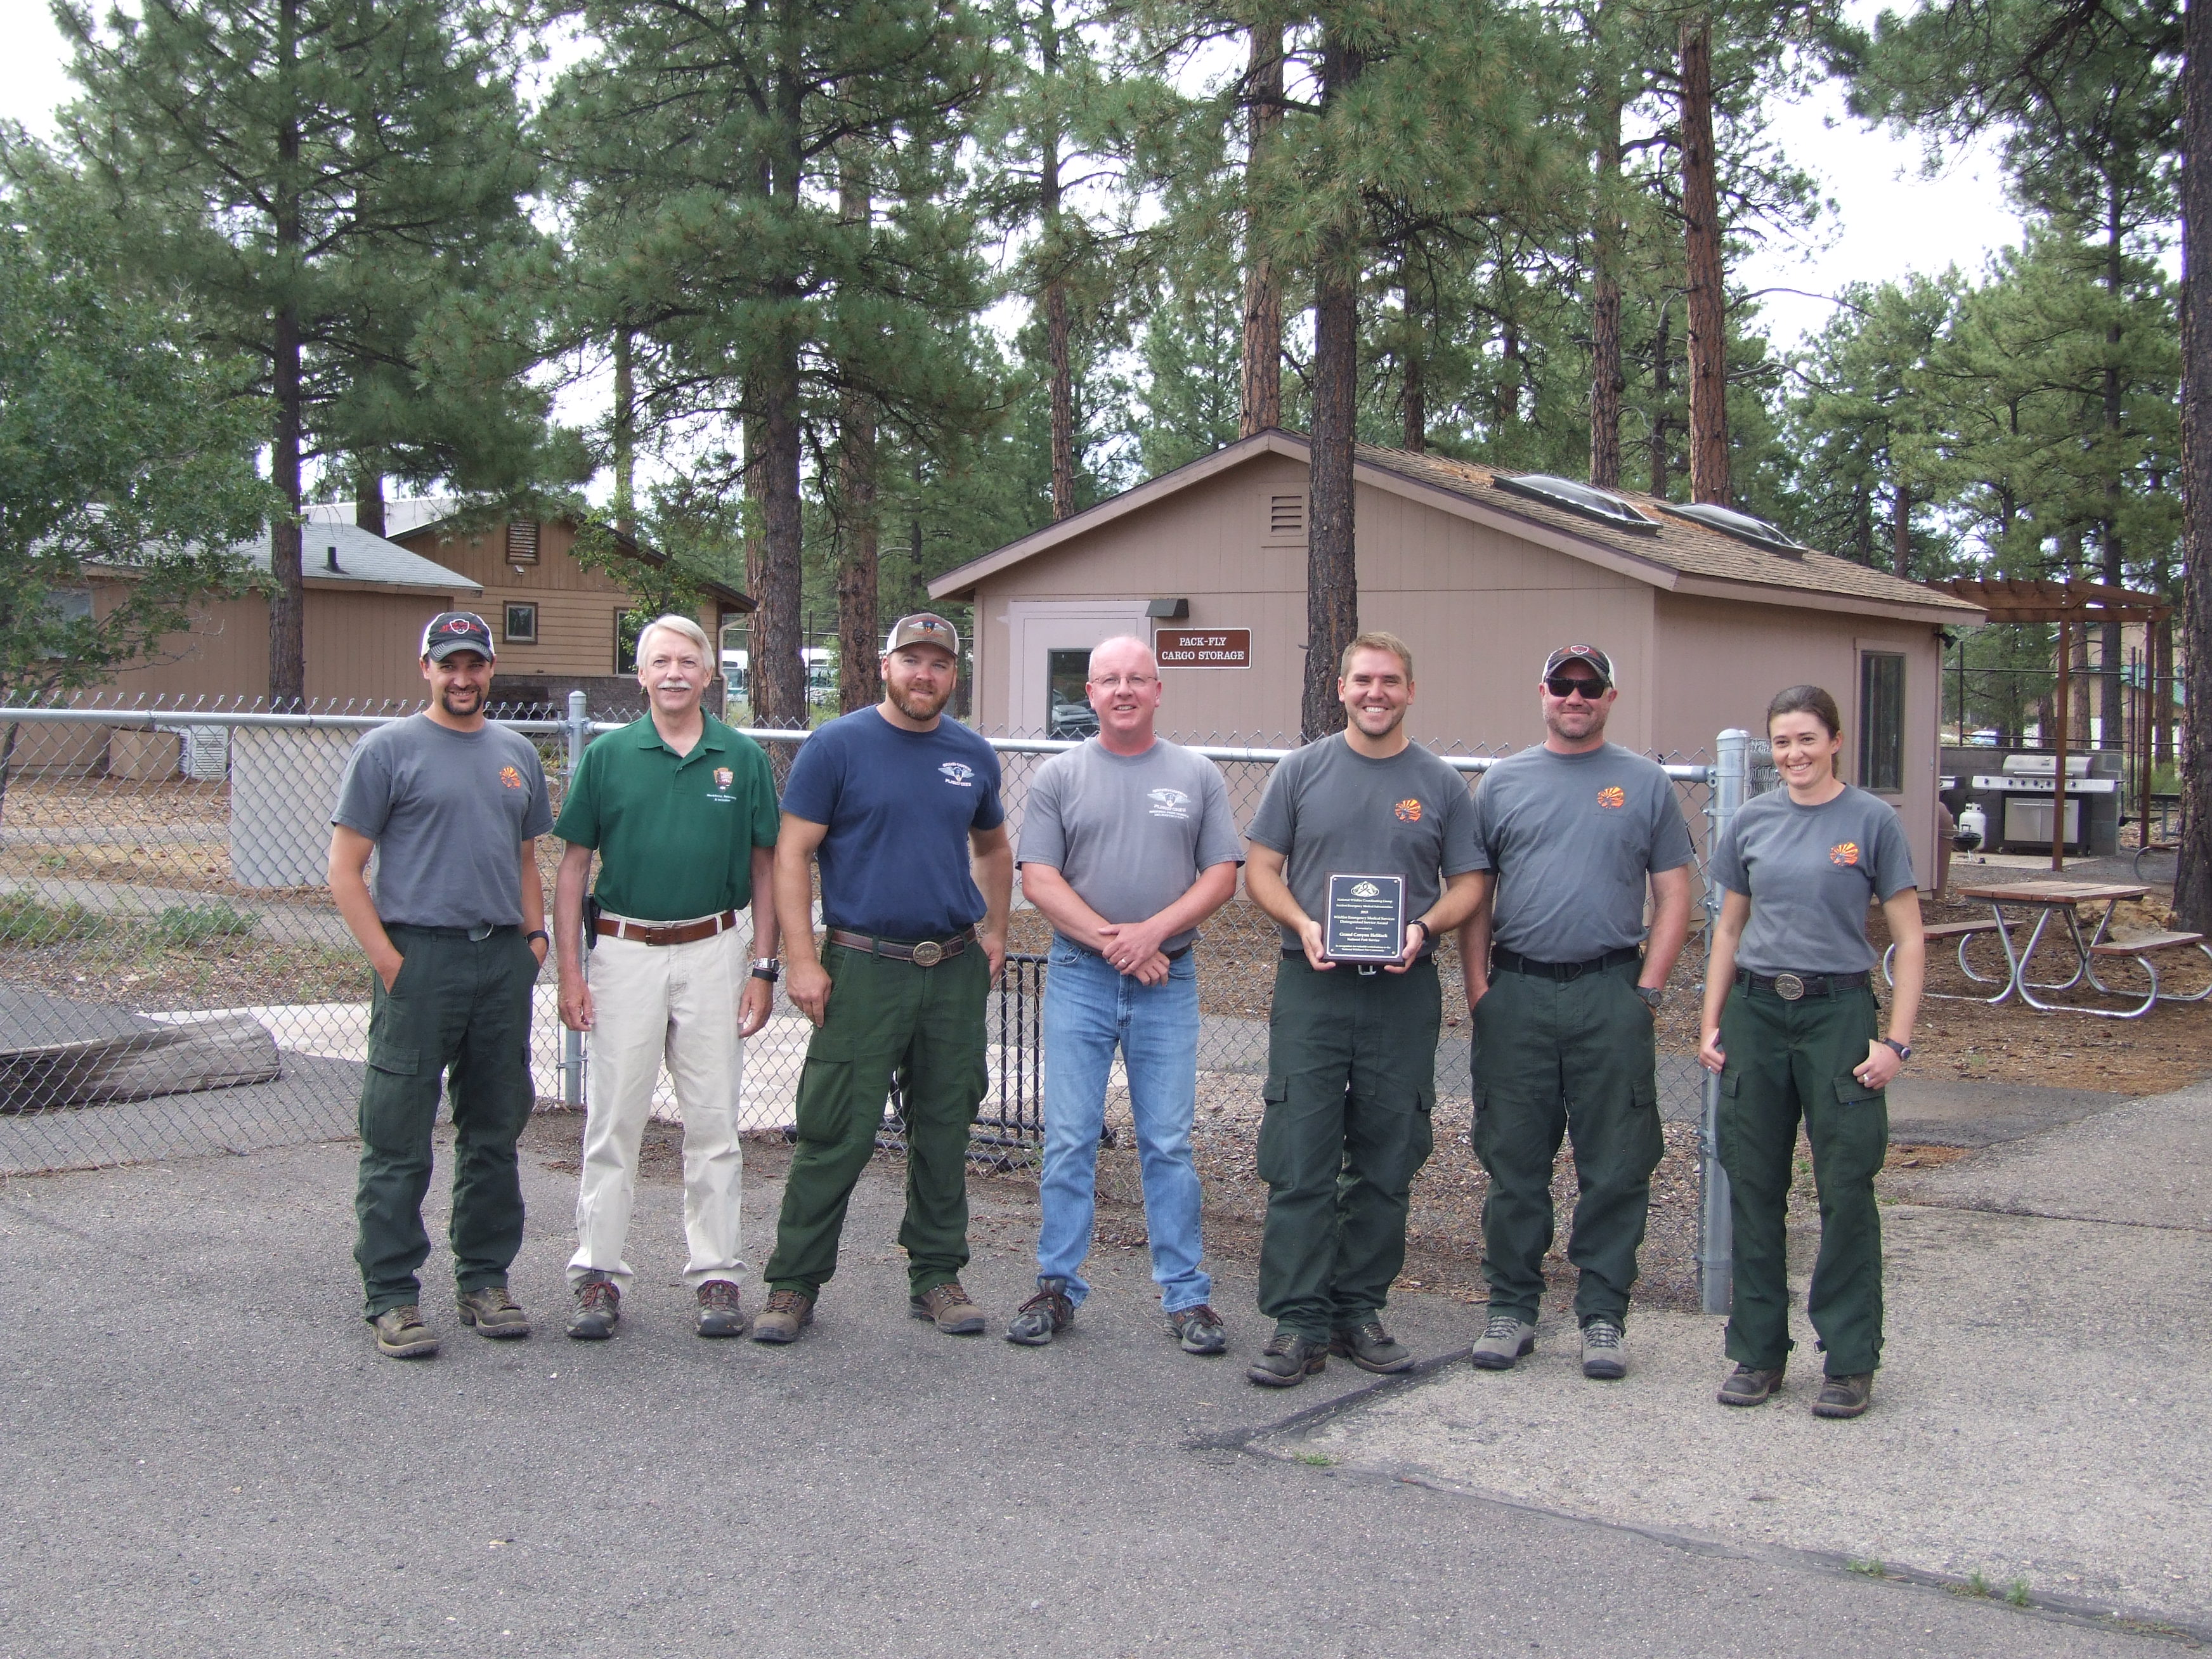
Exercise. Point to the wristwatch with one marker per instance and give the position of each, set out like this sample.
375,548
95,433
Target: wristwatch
1903,1050
1653,995
767,967
537,932
1427,934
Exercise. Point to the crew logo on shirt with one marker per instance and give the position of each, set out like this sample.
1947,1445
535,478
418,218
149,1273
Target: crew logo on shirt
1170,803
1613,798
1843,851
959,775
510,777
1409,810
723,777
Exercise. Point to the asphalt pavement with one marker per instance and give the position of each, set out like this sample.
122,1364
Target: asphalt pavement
204,1454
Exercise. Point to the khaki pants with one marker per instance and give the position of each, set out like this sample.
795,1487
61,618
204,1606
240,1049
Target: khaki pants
651,1004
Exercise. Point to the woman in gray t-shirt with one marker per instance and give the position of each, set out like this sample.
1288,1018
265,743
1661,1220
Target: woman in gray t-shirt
1792,1027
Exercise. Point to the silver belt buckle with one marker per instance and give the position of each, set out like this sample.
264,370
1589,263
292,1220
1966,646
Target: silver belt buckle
928,953
478,934
1789,987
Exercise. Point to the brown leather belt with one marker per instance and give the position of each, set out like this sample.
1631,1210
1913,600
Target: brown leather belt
922,953
682,932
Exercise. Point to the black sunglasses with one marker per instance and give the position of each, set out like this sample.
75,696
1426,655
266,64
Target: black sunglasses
1566,685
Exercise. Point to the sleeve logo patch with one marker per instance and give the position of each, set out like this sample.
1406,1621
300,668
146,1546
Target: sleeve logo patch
510,777
1613,798
1843,851
1409,810
958,776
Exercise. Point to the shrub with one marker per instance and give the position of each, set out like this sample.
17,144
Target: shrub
196,924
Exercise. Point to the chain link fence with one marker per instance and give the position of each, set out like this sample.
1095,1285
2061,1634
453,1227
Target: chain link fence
175,979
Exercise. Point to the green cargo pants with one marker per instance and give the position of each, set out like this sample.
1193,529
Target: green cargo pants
459,1006
1352,1082
926,1026
1788,1059
1555,1058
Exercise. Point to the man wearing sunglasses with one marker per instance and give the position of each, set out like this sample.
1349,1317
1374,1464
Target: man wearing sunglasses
1564,1003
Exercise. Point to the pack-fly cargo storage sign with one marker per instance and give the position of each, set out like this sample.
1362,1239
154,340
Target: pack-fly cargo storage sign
1203,647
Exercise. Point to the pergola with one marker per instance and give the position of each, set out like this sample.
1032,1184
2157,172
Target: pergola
2006,600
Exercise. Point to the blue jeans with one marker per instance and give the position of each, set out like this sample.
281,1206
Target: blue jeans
1090,1011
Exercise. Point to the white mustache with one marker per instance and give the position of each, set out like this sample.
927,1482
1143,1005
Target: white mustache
673,685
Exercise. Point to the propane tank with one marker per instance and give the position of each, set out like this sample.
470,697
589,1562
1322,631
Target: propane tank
1974,828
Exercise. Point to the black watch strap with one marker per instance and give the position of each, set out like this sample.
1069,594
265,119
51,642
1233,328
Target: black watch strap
537,932
1903,1050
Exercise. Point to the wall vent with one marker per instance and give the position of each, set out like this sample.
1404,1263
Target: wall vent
1286,518
522,542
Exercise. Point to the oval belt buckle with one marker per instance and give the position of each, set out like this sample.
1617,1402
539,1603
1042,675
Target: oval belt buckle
929,953
1789,987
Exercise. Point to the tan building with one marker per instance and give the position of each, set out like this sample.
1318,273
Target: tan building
1482,574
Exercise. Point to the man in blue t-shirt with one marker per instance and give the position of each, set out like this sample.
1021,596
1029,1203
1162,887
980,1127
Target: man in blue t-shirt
900,806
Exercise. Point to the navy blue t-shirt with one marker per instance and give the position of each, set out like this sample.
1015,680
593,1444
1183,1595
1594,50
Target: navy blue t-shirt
899,805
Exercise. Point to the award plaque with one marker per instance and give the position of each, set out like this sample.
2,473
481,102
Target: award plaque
1365,920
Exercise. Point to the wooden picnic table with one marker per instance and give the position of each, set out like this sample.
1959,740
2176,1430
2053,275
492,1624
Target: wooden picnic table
2062,899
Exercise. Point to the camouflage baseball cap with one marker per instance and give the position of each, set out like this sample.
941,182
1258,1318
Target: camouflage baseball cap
924,627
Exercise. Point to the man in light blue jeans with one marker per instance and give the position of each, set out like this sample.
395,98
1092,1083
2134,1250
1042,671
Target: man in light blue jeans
1127,845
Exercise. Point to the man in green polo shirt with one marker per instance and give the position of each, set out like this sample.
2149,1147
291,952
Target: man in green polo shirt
681,812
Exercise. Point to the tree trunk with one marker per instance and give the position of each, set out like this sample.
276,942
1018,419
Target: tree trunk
1607,382
1707,337
1505,400
1261,405
2192,896
1058,363
2161,690
1900,533
625,433
368,496
779,676
287,651
1662,391
1332,572
2111,690
859,647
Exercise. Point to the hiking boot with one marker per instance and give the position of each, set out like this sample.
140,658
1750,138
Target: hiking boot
1749,1386
1603,1357
492,1312
1371,1348
1504,1339
718,1313
401,1332
787,1313
1287,1360
1844,1396
1042,1317
1199,1329
947,1305
599,1309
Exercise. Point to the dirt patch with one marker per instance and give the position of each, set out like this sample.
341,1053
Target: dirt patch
130,966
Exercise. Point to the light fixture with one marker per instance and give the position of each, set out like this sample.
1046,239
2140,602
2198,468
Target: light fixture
1169,610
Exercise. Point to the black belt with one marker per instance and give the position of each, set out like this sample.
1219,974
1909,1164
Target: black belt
476,935
1790,988
1172,956
922,953
1513,962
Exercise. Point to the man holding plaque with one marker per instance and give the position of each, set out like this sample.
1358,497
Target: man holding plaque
1564,1002
1364,841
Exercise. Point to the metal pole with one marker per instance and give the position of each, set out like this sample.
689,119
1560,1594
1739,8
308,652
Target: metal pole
2058,790
578,727
1715,1229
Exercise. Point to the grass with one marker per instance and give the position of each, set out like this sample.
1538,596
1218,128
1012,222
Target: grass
2015,1594
1869,1568
195,924
1317,1460
24,919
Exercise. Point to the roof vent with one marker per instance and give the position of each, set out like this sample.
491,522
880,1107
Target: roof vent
1586,499
330,562
1742,526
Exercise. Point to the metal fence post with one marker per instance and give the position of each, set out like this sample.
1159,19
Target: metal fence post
571,1042
1715,1233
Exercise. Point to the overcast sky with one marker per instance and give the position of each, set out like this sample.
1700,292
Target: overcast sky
1888,220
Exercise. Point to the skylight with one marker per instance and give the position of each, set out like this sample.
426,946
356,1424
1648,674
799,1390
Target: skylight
1741,526
1586,499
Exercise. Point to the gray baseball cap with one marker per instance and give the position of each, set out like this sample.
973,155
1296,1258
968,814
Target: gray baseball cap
924,627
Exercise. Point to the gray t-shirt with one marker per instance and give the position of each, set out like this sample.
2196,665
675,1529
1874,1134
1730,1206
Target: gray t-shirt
1811,871
1573,838
1130,832
448,811
1331,811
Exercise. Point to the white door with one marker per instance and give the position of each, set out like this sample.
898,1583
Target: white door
1051,639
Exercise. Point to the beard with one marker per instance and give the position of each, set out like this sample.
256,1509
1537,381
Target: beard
917,704
1361,716
461,700
1573,728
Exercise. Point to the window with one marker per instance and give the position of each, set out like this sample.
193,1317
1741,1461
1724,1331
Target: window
627,622
522,542
1588,500
1070,715
66,606
521,625
1881,722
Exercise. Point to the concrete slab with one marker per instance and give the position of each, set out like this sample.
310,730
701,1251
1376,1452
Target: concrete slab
1950,1112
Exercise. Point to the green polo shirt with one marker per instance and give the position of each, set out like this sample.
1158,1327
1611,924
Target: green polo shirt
675,833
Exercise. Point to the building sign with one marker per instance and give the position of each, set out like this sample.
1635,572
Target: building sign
1203,647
